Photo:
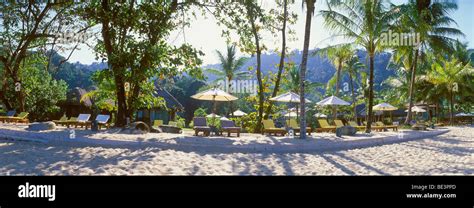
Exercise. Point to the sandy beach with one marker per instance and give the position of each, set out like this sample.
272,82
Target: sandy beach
451,153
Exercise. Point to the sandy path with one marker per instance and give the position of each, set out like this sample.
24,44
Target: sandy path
450,153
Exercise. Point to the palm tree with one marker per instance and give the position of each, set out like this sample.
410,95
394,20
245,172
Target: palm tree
230,68
430,22
364,22
353,67
310,5
449,74
230,65
293,82
339,54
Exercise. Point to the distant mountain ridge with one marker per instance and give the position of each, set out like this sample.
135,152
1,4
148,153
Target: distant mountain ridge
319,69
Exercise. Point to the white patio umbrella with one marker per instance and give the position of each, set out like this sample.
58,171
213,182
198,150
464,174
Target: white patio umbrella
239,113
289,97
417,109
385,107
332,101
320,115
291,114
223,118
214,95
213,115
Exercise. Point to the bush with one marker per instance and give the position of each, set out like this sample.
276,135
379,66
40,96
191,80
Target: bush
249,122
200,112
180,121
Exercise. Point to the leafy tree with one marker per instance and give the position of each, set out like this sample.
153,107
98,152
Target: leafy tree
430,21
134,42
450,74
42,92
24,26
364,22
283,18
247,18
339,55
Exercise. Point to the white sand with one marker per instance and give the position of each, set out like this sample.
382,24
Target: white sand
450,153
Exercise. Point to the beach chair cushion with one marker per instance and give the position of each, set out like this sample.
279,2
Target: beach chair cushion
11,113
157,122
338,123
83,117
268,124
324,124
200,122
102,119
292,124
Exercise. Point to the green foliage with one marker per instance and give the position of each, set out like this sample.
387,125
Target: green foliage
200,112
42,92
181,122
249,122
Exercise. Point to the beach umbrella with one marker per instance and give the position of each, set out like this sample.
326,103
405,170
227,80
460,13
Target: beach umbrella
385,107
417,109
239,113
213,115
320,115
332,100
289,97
223,118
214,95
291,114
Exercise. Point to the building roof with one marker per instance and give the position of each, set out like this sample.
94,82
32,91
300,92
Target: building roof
171,101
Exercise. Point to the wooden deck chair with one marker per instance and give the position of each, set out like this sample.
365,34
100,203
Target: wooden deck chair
292,123
269,128
325,127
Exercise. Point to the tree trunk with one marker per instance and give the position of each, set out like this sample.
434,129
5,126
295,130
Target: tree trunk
353,97
412,88
338,76
304,61
282,58
259,73
122,110
371,93
451,113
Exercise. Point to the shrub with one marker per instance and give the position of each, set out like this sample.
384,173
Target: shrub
200,112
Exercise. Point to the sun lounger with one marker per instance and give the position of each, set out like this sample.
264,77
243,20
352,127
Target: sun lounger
21,118
393,127
81,121
67,122
375,127
157,123
102,120
269,127
355,125
325,127
292,123
173,123
7,116
62,120
229,127
339,123
200,125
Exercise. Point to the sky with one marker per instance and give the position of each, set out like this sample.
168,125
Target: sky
204,34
